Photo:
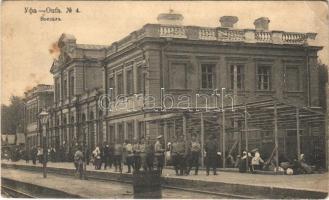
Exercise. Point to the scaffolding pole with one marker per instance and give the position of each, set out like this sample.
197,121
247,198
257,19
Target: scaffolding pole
202,139
276,135
298,135
246,133
165,137
223,130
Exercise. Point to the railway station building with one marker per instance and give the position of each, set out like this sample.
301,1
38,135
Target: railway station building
251,88
77,85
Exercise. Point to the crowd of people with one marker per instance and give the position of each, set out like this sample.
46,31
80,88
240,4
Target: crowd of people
146,155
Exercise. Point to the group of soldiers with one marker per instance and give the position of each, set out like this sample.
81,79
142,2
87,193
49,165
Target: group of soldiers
186,155
145,154
141,154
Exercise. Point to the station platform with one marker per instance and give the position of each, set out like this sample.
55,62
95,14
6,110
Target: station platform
258,185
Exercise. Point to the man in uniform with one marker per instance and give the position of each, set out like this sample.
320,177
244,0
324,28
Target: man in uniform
118,157
137,156
159,153
149,150
211,148
129,156
195,148
178,152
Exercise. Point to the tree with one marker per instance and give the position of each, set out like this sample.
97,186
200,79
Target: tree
12,116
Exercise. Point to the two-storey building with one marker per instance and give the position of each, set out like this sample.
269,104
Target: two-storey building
166,79
78,83
38,98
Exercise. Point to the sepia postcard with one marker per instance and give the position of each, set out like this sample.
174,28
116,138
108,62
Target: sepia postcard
165,99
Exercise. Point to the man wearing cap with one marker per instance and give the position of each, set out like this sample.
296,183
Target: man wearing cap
211,148
159,153
149,150
195,154
137,157
130,155
178,152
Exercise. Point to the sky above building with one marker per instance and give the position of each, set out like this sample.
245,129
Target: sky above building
26,40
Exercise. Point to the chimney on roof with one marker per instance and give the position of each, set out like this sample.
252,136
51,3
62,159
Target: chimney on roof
171,18
261,24
228,21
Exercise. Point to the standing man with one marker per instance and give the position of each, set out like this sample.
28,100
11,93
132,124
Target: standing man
40,154
105,155
129,156
178,152
159,153
211,154
195,155
142,153
111,154
137,156
118,157
78,162
149,150
34,153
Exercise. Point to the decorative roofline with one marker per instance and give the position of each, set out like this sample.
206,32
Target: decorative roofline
220,34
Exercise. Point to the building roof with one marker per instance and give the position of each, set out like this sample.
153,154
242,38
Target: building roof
40,88
92,46
70,51
228,34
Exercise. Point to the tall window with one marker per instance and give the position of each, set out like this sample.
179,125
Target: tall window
65,89
207,75
120,84
130,82
140,79
111,137
71,85
121,133
111,85
237,74
263,77
57,89
178,76
292,79
140,131
130,131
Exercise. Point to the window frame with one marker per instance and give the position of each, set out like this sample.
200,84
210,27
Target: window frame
299,78
140,80
270,67
71,83
111,77
171,81
207,73
242,77
118,92
129,85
